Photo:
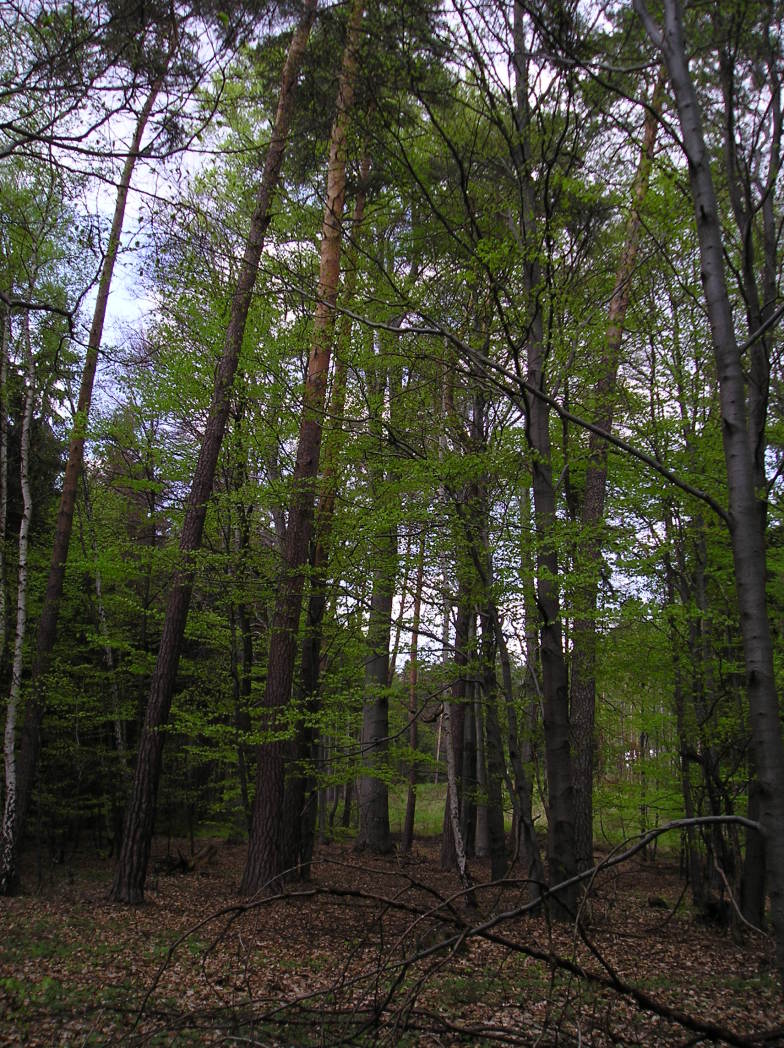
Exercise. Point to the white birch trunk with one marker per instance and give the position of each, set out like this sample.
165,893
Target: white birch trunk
15,693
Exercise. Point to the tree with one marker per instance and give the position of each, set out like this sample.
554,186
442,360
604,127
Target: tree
746,508
34,246
265,846
132,868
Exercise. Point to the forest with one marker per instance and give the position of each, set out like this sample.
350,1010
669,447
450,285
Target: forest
391,522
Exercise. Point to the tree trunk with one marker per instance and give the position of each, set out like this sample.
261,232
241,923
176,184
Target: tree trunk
453,729
495,751
747,517
383,381
760,295
265,857
468,781
299,799
694,864
555,683
47,627
413,708
373,790
481,832
132,868
11,822
6,347
453,847
522,800
583,664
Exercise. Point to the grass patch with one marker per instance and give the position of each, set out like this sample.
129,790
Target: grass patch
429,811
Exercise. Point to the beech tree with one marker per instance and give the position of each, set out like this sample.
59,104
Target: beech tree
747,518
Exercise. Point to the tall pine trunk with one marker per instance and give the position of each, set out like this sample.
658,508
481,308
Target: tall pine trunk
299,817
140,817
265,852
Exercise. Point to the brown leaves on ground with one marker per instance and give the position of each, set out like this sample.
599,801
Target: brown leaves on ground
372,951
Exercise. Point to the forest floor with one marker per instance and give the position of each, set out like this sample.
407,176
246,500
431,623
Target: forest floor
370,951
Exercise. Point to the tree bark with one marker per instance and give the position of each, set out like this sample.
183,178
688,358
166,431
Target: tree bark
453,852
413,709
495,750
299,791
5,315
264,865
11,821
758,280
583,664
129,878
453,728
468,783
747,517
373,794
555,684
30,742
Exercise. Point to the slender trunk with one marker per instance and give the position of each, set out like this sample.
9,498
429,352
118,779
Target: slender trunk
373,790
481,832
583,664
383,379
747,517
395,646
47,626
760,295
6,346
132,868
413,709
495,751
299,823
453,728
264,865
453,849
244,672
555,683
522,783
694,864
121,781
468,767
9,843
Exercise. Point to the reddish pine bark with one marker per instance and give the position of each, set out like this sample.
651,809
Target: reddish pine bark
265,853
299,795
140,817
